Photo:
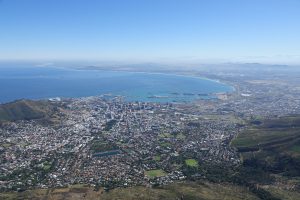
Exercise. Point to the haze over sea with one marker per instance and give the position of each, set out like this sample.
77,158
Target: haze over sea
48,82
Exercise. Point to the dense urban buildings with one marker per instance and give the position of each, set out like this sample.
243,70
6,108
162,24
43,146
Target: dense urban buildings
105,141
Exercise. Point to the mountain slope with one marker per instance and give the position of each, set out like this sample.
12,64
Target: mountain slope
23,110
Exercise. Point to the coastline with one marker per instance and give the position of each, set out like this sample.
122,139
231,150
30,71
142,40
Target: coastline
159,73
231,88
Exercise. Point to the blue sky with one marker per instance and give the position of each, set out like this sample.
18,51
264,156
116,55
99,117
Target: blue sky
151,30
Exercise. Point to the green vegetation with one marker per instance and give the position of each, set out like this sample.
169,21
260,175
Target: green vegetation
295,148
191,163
283,194
155,173
165,135
263,136
270,134
5,145
272,146
110,124
99,146
180,136
157,158
46,166
165,144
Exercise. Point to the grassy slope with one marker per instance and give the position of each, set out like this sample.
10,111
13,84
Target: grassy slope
283,194
155,173
279,135
272,147
191,162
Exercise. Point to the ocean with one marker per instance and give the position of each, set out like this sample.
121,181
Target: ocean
49,82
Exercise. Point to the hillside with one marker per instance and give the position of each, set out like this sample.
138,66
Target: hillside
188,190
273,145
184,190
23,110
